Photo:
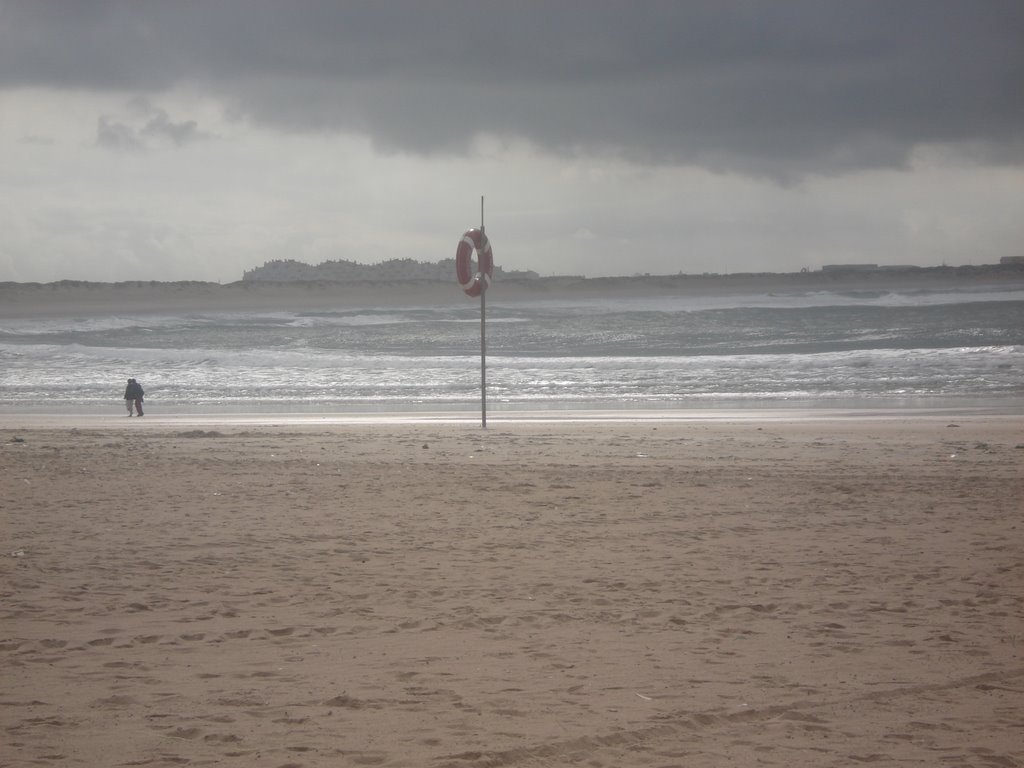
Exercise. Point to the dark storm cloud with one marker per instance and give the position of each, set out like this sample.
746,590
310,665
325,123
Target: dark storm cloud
778,88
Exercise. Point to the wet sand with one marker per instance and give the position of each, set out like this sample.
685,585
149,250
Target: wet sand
647,592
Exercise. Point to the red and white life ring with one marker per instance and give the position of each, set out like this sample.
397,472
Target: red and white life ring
474,284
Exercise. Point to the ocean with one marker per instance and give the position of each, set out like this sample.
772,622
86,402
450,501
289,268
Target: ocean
829,349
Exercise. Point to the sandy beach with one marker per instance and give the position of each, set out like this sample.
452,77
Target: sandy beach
670,593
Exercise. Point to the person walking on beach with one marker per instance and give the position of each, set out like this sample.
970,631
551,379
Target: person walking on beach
133,395
138,397
129,396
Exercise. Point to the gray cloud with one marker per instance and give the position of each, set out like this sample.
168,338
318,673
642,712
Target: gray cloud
160,126
154,127
119,137
778,89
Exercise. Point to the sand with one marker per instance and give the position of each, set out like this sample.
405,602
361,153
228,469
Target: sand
743,592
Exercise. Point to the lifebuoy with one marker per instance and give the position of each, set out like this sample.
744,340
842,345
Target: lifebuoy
474,284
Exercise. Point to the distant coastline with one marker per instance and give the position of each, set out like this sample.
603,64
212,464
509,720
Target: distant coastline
68,297
290,270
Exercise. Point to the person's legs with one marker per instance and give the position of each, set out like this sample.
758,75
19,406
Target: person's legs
128,405
138,406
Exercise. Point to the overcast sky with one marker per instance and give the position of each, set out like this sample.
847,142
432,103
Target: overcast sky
190,140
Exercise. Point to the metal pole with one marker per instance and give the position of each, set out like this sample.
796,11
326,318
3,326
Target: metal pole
483,332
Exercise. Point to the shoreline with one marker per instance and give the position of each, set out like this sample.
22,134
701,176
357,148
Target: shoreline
155,419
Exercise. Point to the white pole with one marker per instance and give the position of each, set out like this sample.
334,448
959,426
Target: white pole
483,330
